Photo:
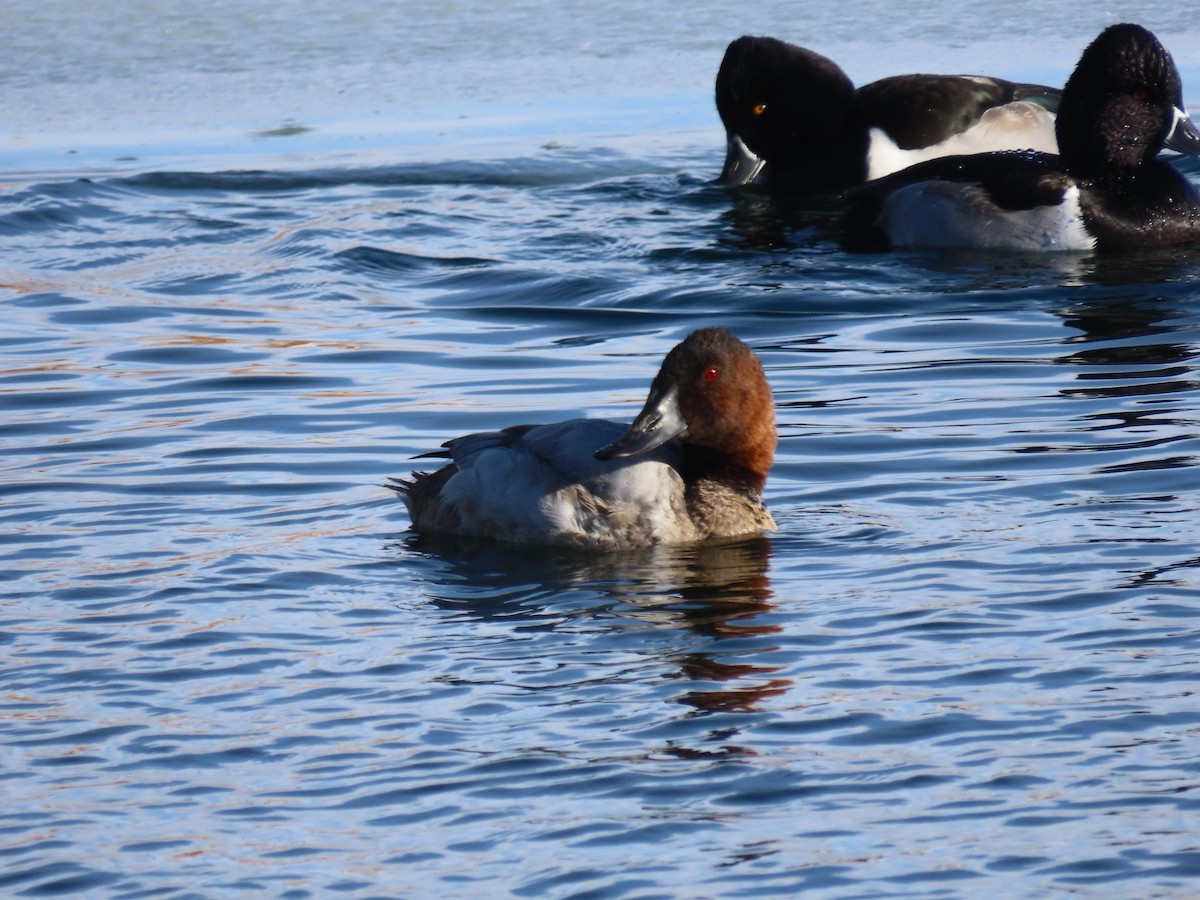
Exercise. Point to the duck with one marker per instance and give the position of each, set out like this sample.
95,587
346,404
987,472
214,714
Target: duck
691,466
794,119
1107,190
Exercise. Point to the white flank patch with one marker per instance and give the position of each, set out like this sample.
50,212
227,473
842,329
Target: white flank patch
952,214
1020,125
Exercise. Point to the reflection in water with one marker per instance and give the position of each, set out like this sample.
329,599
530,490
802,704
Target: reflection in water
1138,270
719,591
1134,376
1123,359
762,220
1120,332
1174,574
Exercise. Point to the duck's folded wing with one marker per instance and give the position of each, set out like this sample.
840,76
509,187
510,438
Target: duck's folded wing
565,447
462,449
543,484
922,110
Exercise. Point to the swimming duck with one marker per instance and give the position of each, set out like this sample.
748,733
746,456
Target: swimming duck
793,117
1108,190
691,466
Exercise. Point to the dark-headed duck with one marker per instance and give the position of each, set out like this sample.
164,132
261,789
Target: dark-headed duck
793,118
1108,190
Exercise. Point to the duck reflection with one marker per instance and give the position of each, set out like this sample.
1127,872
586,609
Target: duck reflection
764,221
1130,348
1136,377
720,591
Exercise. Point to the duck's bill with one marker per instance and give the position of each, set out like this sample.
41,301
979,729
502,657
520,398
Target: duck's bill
1184,136
742,166
658,422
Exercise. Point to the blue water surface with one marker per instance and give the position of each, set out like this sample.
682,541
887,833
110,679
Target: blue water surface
965,664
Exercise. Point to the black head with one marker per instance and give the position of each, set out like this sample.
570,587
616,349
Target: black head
1119,104
780,98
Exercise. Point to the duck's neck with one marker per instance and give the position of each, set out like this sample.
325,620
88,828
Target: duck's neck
745,471
837,161
1118,214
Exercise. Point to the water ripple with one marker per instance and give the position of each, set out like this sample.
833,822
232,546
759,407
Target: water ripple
966,660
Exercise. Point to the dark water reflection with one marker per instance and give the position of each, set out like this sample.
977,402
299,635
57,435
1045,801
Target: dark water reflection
718,593
966,661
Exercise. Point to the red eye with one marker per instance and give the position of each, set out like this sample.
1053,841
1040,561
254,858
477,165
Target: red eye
712,373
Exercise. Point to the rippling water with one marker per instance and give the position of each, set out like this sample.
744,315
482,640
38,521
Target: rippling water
966,662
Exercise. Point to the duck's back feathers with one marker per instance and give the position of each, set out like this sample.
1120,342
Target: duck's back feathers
524,483
923,110
1020,124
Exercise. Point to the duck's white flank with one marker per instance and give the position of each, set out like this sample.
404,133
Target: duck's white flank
955,214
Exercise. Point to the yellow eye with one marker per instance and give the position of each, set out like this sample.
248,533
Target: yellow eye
1139,96
760,108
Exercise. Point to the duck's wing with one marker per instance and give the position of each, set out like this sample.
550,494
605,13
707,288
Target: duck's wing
918,111
542,484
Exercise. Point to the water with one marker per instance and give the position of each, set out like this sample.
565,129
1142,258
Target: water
966,662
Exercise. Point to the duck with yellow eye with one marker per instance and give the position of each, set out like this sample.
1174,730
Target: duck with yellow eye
793,118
